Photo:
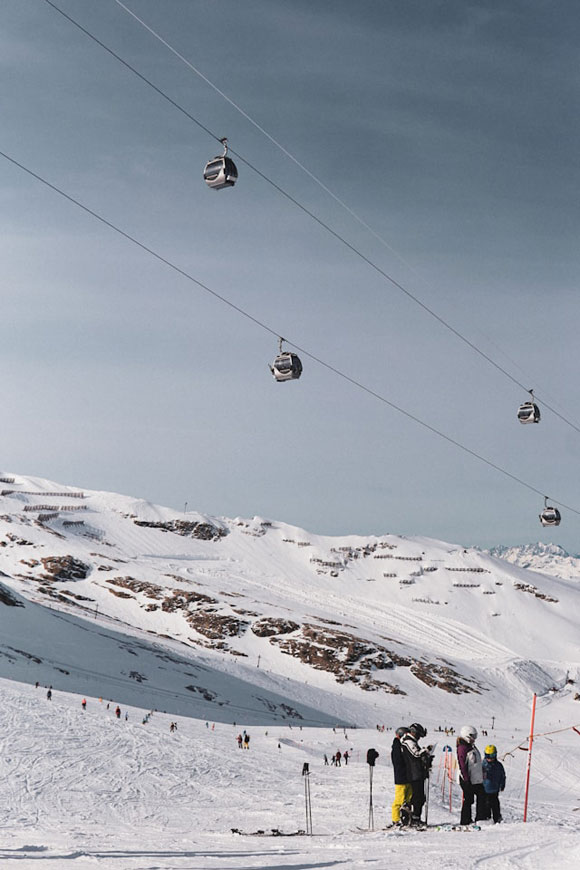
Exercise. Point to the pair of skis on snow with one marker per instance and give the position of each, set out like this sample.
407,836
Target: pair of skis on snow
276,832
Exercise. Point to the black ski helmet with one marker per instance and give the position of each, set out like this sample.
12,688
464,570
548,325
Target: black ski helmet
417,730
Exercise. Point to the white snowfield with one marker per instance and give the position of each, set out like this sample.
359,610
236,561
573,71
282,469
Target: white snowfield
85,789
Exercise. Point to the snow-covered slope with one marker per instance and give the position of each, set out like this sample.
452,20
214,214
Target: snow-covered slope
543,558
220,625
203,616
85,790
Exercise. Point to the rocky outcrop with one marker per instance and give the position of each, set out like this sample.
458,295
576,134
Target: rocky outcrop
7,598
202,531
64,568
355,660
216,626
348,657
200,611
444,677
271,627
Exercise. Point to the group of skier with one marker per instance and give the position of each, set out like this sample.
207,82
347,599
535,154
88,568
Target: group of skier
480,780
336,758
243,740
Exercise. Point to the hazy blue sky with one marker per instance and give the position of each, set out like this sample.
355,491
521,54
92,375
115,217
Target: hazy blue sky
450,127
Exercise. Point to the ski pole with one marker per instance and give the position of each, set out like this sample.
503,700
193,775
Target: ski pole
427,800
372,756
307,799
371,811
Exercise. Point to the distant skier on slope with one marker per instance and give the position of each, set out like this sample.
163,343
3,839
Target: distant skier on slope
418,763
470,775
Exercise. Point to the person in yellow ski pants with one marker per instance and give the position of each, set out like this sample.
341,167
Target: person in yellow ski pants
403,788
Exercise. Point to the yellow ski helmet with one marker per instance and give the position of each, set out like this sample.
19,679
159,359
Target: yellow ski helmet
490,750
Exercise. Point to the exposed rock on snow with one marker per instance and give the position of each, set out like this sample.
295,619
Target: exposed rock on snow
269,627
6,597
201,531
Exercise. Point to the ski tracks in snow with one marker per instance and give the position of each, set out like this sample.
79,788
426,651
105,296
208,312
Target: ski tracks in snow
541,855
444,637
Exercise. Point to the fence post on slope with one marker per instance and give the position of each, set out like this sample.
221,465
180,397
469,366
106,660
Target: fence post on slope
446,781
450,777
529,764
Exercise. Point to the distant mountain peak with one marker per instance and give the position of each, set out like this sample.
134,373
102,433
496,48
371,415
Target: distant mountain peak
537,549
545,558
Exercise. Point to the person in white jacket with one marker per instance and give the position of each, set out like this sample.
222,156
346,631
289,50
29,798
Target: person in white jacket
470,775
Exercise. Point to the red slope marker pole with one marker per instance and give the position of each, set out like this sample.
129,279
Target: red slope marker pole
529,764
450,775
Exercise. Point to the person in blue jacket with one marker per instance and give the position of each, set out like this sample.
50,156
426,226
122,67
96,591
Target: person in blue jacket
493,782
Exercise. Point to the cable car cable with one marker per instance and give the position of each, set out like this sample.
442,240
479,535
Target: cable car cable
272,139
320,183
133,70
268,329
314,217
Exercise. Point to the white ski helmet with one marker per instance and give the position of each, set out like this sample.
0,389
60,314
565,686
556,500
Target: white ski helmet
469,732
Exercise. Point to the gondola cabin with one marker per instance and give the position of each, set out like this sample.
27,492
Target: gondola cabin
529,413
220,172
550,516
286,367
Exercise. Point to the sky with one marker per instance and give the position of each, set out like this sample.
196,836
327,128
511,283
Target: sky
450,128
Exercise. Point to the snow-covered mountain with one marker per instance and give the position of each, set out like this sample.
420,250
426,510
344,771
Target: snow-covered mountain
544,558
204,616
223,624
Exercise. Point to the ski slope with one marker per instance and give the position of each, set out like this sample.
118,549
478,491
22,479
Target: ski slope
83,789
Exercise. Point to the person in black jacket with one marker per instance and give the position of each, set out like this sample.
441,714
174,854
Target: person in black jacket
418,762
403,788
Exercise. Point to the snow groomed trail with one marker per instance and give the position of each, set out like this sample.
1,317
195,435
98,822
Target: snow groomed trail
84,790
